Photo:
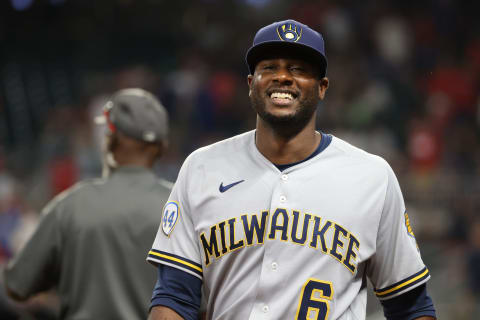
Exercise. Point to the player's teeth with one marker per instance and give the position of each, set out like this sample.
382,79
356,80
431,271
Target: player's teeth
281,95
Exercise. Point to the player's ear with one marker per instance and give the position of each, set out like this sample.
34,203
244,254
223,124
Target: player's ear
249,81
322,86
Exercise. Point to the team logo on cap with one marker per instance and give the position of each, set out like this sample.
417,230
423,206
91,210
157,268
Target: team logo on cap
289,32
171,212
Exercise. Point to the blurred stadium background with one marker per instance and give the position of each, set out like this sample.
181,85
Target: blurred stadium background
405,80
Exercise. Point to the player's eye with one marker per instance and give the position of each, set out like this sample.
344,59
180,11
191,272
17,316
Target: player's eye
297,68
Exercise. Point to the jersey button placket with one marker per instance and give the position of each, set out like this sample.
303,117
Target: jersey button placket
270,272
283,198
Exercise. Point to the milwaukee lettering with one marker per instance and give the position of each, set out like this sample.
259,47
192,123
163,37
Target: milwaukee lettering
289,226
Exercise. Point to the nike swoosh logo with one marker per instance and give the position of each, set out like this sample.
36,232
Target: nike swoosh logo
223,188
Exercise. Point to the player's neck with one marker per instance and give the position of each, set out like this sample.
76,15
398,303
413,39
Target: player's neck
132,159
280,149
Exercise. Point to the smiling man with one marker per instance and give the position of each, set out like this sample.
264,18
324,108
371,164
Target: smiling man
285,221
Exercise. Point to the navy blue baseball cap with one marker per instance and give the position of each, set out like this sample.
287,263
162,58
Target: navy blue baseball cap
288,35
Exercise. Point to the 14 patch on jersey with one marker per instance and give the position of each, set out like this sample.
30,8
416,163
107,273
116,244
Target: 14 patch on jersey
171,212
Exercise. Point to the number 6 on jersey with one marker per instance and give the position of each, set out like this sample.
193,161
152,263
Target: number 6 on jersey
315,299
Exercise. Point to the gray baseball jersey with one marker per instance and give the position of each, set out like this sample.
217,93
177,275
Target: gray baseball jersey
297,244
91,245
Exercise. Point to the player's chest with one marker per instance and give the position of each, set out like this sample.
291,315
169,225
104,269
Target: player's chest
291,195
318,209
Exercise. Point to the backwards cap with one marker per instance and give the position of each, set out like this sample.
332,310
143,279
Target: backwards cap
137,114
288,34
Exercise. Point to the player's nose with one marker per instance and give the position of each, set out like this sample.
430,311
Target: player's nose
283,76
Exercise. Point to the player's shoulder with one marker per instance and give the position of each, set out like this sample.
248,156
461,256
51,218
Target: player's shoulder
78,188
165,184
355,154
224,148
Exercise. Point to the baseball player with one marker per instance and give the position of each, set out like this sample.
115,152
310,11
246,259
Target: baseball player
91,242
286,222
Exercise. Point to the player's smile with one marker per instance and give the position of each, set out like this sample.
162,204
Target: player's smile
282,97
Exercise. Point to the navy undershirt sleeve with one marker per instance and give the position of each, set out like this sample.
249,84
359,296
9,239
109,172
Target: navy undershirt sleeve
410,305
177,290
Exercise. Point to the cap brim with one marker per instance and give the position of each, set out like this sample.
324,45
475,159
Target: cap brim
271,49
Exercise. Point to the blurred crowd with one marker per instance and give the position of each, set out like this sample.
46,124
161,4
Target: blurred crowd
404,84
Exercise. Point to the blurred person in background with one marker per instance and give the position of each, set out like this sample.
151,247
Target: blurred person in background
91,241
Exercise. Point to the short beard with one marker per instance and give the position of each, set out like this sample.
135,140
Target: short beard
286,126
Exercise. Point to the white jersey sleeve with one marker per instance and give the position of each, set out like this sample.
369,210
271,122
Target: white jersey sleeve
397,266
175,244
